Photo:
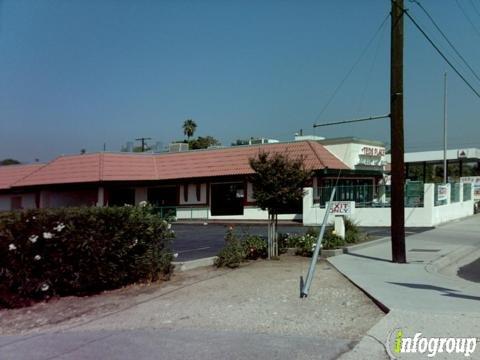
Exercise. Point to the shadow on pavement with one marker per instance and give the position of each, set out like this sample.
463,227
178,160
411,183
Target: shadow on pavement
424,287
368,257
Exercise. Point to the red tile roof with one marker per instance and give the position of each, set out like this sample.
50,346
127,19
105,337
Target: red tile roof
183,165
10,174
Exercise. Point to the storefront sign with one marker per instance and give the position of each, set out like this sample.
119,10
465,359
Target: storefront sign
342,207
442,192
372,151
371,156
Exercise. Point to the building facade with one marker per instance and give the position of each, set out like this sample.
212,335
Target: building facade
203,184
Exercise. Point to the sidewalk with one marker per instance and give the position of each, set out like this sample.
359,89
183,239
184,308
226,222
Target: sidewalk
425,295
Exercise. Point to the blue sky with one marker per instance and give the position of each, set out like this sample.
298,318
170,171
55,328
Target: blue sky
75,74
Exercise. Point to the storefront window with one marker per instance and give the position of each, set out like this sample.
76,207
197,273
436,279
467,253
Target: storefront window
453,170
359,190
434,173
415,171
471,168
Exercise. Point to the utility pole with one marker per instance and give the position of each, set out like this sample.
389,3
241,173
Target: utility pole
445,128
142,139
396,133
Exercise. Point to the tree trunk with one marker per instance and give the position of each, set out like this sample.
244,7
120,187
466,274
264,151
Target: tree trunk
275,235
272,235
269,244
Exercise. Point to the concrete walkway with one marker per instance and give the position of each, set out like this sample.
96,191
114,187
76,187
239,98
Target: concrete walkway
425,295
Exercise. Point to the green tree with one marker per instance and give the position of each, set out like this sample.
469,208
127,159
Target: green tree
278,181
9,162
189,126
203,142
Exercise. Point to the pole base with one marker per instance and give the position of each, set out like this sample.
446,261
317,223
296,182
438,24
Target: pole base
302,285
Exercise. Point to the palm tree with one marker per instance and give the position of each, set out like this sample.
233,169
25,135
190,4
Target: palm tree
189,127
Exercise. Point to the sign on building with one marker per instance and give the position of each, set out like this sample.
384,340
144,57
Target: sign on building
371,156
442,192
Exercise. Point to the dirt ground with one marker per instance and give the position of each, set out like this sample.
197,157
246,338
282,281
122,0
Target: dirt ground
259,297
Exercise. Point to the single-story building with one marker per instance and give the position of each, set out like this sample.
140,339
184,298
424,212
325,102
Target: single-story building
210,183
427,166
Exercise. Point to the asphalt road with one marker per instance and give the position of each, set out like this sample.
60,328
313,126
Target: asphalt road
195,241
172,344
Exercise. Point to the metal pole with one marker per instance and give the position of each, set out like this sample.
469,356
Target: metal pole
311,270
397,140
445,128
354,120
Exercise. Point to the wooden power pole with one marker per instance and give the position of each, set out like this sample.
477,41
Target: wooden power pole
142,139
396,131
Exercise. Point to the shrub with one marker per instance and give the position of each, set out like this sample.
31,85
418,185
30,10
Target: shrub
352,232
313,231
79,251
239,249
332,241
233,253
305,244
293,240
255,247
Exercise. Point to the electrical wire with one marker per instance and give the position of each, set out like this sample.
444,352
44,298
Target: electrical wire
349,72
441,53
445,37
475,7
370,71
467,17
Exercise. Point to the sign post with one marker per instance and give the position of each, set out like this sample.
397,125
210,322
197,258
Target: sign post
340,209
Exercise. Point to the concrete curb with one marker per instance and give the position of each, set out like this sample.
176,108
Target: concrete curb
367,244
381,305
193,264
449,259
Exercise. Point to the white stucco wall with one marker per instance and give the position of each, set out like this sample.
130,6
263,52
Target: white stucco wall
358,155
429,215
192,194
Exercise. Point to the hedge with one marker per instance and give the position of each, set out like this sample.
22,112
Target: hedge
79,251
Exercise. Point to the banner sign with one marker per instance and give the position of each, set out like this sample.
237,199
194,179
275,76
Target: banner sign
342,207
442,192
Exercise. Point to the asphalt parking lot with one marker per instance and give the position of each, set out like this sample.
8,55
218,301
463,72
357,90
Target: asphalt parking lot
196,241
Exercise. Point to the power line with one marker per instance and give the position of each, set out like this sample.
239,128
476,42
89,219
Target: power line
335,92
475,7
467,17
441,53
370,71
445,37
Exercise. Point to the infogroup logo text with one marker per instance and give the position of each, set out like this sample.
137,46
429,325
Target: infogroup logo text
399,344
